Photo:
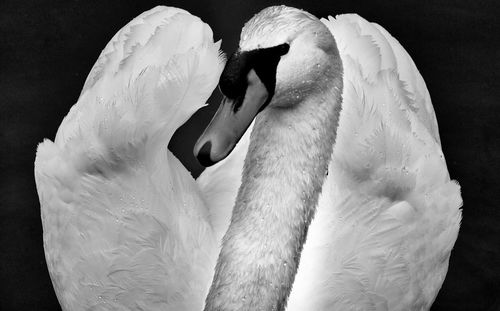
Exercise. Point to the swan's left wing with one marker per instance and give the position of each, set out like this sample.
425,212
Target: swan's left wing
125,227
388,215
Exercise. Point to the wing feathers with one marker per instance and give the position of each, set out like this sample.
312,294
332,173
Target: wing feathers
125,227
389,213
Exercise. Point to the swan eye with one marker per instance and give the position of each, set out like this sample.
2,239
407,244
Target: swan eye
266,63
233,81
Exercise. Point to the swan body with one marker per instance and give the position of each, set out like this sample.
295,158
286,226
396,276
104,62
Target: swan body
126,227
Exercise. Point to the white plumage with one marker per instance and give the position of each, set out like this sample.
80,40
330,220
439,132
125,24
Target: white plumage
389,213
126,227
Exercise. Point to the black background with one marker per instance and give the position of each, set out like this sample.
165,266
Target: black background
48,47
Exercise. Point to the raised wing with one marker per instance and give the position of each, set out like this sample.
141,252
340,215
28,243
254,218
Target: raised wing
124,225
389,214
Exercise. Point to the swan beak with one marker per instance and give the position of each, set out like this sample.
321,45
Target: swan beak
230,122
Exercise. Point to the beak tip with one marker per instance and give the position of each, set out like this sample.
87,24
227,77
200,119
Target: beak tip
203,155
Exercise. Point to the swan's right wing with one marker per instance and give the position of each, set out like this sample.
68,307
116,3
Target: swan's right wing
125,227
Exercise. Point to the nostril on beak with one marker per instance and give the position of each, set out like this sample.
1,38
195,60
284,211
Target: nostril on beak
204,155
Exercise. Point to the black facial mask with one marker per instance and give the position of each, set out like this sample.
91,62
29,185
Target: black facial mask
233,81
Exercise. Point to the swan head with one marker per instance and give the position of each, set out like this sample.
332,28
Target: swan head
284,55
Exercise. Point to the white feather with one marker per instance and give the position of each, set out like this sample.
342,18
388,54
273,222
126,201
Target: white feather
389,213
115,202
127,228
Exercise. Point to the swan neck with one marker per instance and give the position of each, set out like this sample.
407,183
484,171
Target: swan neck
284,171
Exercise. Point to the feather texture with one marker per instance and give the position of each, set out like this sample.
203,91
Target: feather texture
114,201
389,214
127,228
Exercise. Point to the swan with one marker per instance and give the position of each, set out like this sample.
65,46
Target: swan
327,187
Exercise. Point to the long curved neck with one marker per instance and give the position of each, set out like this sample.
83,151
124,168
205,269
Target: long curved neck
284,170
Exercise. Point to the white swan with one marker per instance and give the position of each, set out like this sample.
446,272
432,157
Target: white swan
127,228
